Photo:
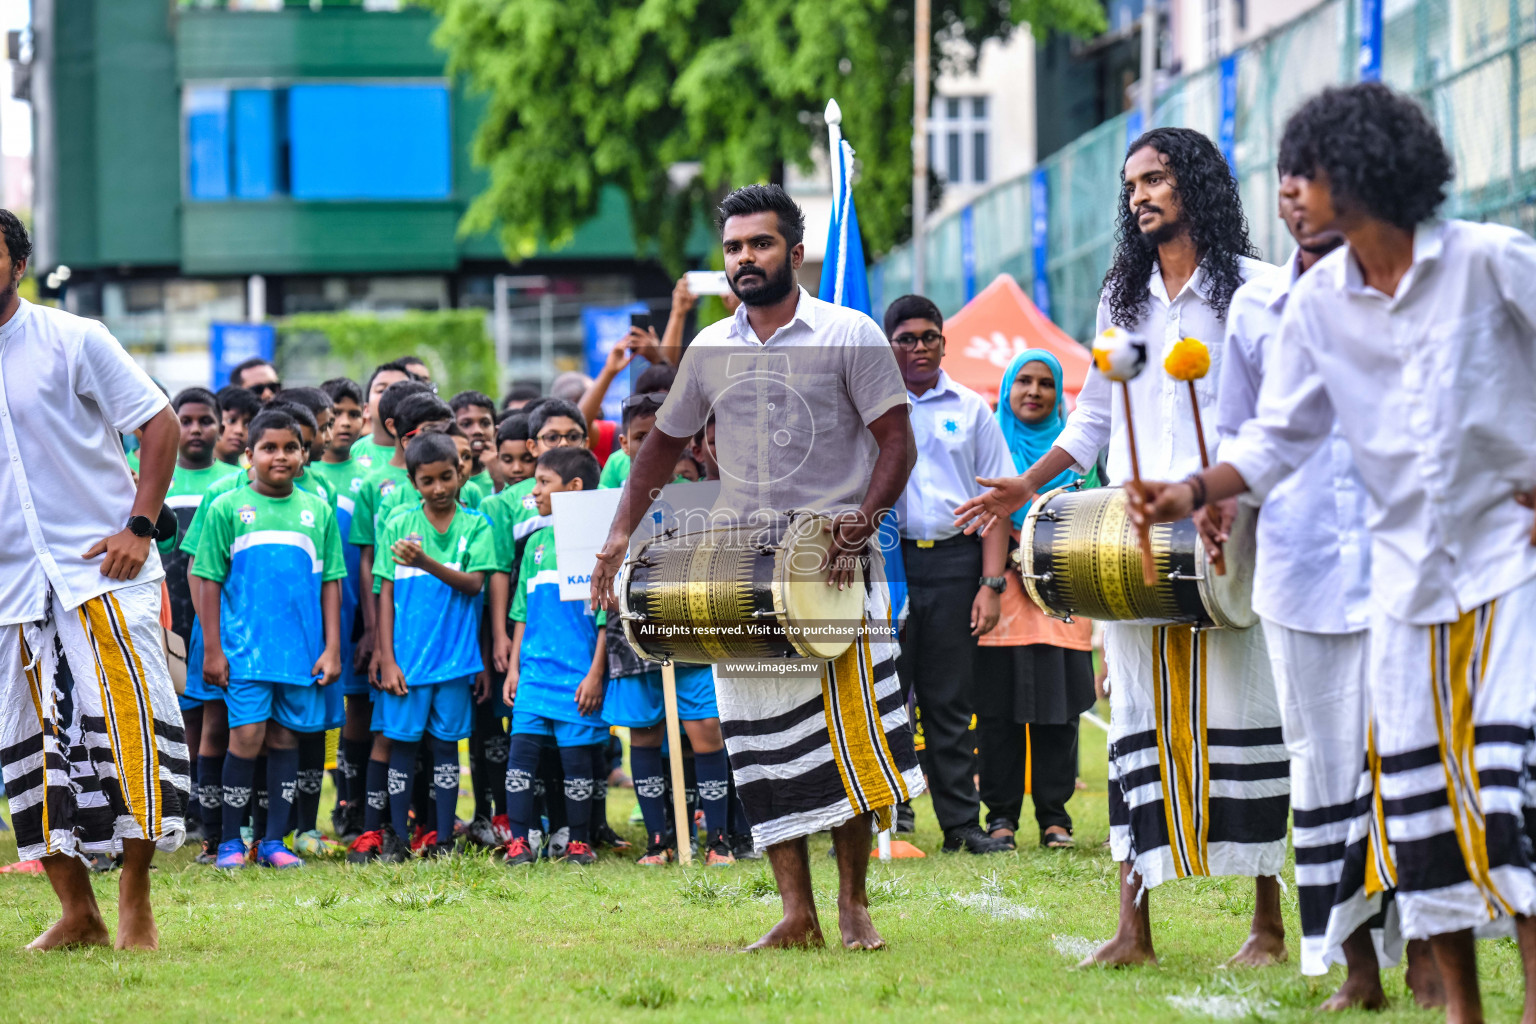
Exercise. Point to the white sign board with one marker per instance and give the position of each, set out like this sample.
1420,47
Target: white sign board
582,520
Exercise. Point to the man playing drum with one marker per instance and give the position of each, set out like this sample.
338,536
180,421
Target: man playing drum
810,414
1198,775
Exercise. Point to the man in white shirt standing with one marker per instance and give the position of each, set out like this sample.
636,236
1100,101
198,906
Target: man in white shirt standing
1199,780
954,580
1311,588
91,743
1419,336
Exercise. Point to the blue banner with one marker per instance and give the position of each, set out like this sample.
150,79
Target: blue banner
1133,128
844,281
1228,131
603,327
968,252
1370,40
1040,224
229,345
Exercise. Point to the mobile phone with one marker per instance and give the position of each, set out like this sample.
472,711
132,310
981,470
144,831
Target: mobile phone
707,282
641,321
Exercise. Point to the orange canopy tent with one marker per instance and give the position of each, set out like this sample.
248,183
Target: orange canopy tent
998,324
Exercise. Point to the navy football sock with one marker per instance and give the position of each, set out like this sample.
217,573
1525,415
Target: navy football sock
282,788
311,777
421,788
576,763
259,798
445,780
376,795
236,783
650,787
599,788
402,778
210,795
494,750
522,764
713,790
355,772
553,778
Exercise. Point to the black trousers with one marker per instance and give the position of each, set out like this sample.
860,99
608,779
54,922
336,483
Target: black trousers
937,659
1050,751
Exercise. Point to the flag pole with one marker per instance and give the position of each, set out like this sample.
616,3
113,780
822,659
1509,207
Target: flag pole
920,144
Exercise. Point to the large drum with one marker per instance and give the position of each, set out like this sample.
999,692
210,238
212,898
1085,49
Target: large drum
743,593
1079,555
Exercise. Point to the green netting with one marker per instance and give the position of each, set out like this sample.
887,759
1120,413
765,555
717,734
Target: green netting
1471,62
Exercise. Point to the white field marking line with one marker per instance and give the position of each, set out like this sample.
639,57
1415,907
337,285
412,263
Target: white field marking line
995,906
1220,1006
1075,947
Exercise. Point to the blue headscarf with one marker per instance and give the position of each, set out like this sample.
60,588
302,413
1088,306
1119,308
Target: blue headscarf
1029,441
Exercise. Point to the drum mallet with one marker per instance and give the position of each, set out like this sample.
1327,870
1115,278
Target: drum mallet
1188,360
1121,357
685,829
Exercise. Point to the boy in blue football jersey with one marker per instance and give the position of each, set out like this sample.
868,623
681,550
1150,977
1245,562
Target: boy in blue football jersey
429,642
555,673
271,564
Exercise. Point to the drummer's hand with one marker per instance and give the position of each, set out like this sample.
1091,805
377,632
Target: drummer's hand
609,558
589,695
1004,496
985,610
1215,523
1528,499
850,540
1159,502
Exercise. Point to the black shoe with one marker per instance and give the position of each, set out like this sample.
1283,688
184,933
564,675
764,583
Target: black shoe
393,849
742,847
603,836
906,820
347,822
974,840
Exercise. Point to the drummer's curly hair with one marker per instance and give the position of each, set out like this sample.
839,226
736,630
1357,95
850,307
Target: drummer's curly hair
1213,210
1378,148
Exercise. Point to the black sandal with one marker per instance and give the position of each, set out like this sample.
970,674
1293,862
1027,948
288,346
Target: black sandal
1057,840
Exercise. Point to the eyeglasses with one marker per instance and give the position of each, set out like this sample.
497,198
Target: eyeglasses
928,339
569,437
655,397
262,387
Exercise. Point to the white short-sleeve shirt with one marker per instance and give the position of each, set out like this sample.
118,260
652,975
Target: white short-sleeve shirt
68,392
958,439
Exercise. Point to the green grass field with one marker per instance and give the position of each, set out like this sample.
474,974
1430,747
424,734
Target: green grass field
970,938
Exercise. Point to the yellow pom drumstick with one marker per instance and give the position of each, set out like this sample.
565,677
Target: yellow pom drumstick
1188,360
1120,356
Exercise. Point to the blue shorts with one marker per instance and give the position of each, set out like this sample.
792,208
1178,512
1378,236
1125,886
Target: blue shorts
297,707
636,702
565,734
335,705
352,681
188,703
444,710
196,689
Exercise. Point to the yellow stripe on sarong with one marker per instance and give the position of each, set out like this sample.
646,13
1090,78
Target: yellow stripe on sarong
859,747
1178,675
126,703
1380,871
1458,655
32,667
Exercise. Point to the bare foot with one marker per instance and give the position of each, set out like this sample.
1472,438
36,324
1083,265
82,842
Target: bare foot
1423,975
1263,949
1358,992
84,931
1122,951
136,926
857,929
791,933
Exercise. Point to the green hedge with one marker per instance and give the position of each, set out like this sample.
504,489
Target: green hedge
454,343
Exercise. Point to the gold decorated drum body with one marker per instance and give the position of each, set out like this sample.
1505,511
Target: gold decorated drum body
1079,555
750,593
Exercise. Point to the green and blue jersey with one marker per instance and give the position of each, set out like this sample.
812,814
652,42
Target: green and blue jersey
559,637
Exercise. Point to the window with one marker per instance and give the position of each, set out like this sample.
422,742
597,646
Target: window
958,138
320,141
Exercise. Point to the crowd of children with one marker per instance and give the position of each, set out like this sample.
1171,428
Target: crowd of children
377,564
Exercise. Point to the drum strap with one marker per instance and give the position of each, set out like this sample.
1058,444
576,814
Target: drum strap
1183,754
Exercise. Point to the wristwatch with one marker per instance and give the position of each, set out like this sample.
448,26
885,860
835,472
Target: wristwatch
997,583
141,526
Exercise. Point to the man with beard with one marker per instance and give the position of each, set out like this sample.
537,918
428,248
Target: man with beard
1180,699
1311,588
810,413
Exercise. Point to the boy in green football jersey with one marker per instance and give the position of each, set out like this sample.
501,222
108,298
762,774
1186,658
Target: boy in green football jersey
377,447
475,414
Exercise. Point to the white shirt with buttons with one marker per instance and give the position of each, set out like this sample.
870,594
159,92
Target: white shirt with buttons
1165,425
958,439
67,393
1312,572
1435,389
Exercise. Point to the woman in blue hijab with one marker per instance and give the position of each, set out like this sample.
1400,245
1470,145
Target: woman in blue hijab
1034,675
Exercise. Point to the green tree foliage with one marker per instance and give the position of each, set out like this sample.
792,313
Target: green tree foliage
452,342
588,93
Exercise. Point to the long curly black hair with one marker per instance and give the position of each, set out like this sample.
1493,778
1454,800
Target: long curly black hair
1379,150
1212,208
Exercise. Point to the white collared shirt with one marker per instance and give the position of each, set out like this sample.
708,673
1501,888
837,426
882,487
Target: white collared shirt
67,393
958,439
1165,425
791,412
1435,388
1313,567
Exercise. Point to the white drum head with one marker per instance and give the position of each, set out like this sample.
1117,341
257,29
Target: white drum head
1229,598
808,601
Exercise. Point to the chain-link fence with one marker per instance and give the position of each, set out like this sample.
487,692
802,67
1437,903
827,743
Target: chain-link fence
1471,62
